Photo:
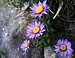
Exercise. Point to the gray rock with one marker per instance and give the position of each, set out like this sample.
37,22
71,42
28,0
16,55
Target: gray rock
8,25
36,53
48,53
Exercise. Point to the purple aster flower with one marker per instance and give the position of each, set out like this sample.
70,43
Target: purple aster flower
39,9
63,48
35,29
24,46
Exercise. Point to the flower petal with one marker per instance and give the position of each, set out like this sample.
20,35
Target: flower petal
39,3
59,42
69,44
44,3
57,50
65,54
56,46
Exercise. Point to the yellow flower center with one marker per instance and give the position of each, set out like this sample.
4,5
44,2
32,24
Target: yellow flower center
36,29
39,9
63,47
26,44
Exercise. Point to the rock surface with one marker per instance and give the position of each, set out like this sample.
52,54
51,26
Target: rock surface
48,53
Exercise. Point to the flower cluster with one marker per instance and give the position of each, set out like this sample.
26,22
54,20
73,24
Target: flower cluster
36,29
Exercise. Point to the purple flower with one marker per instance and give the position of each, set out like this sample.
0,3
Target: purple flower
38,9
63,48
24,46
35,29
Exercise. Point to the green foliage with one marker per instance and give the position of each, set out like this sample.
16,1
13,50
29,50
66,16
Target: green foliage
17,3
53,27
2,53
31,2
